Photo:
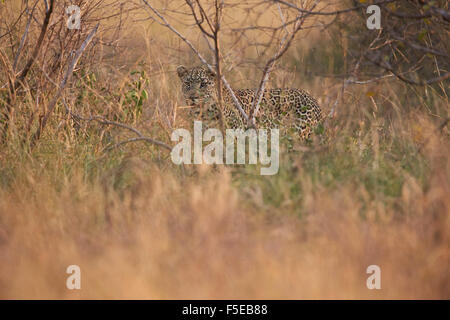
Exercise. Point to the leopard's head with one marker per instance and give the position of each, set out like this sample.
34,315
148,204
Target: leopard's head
197,84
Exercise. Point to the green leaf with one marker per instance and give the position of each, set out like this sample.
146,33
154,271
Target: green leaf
144,94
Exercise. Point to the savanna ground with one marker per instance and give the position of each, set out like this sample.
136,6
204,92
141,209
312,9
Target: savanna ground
372,188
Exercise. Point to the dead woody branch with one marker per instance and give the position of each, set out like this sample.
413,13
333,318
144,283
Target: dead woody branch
62,85
163,21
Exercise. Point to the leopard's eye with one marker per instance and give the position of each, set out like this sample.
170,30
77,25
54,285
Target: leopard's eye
203,84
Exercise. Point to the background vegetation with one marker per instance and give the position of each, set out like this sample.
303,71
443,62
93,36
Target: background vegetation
371,189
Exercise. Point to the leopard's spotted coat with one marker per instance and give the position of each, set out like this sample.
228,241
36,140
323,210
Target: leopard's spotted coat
288,108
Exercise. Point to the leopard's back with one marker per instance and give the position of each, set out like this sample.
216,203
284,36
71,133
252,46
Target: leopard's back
286,107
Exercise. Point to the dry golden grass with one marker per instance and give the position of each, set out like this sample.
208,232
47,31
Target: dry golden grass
372,190
170,237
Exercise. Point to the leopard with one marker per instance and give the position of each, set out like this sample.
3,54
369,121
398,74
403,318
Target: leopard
293,110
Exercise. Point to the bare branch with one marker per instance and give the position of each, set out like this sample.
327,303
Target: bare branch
408,80
200,56
140,137
24,36
284,46
331,13
62,85
102,120
35,53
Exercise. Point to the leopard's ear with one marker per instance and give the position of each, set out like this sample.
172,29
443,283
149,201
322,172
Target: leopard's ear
182,71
